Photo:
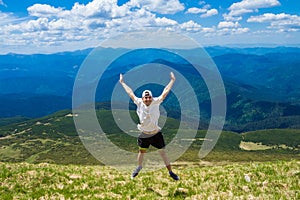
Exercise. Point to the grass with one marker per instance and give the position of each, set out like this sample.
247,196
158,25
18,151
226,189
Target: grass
276,137
54,139
27,150
253,146
268,180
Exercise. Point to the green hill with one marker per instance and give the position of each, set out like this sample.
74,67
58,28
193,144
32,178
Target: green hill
11,120
275,137
53,139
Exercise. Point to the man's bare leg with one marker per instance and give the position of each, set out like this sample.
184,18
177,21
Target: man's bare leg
164,156
140,159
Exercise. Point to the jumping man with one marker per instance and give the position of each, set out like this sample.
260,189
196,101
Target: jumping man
148,113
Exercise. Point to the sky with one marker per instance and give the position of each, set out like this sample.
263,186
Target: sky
48,26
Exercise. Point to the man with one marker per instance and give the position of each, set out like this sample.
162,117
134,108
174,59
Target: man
148,113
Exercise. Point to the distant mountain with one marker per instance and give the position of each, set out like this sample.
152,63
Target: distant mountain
261,83
220,50
276,75
244,114
40,73
12,120
32,105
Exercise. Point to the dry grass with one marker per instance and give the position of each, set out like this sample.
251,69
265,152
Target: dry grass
251,146
268,180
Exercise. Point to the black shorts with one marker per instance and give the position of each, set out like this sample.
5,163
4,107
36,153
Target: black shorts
156,140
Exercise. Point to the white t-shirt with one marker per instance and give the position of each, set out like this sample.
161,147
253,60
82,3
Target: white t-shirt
148,115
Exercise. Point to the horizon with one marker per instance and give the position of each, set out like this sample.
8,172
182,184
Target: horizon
46,26
231,46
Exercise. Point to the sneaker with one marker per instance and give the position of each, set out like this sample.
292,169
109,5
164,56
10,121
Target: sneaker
136,172
174,176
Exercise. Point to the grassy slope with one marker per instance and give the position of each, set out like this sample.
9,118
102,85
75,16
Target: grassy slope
268,180
53,139
277,137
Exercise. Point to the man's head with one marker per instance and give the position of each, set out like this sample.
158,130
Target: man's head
147,97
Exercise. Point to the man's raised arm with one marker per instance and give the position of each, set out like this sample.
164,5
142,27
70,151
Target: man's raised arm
127,88
168,88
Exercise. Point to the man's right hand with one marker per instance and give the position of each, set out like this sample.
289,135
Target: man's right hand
172,76
121,78
127,88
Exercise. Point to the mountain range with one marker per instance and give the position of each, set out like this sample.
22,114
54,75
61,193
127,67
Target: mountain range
262,84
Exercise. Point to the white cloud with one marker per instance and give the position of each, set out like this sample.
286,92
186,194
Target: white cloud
268,17
226,24
232,31
248,6
165,22
208,30
228,17
282,22
84,25
195,10
100,9
5,18
210,13
104,15
240,12
94,9
41,24
241,30
190,26
54,28
43,10
158,6
205,10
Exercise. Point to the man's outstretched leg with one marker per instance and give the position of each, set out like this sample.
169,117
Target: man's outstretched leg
164,156
140,158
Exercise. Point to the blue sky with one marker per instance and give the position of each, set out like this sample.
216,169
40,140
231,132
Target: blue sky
46,26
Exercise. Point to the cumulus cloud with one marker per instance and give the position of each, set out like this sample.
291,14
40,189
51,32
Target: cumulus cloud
190,26
5,18
227,28
94,9
228,17
226,24
165,22
283,22
232,31
249,6
158,6
208,30
103,15
43,10
100,8
84,25
205,10
195,10
267,17
48,27
209,13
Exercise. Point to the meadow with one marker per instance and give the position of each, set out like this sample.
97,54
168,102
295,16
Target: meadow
45,159
201,180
